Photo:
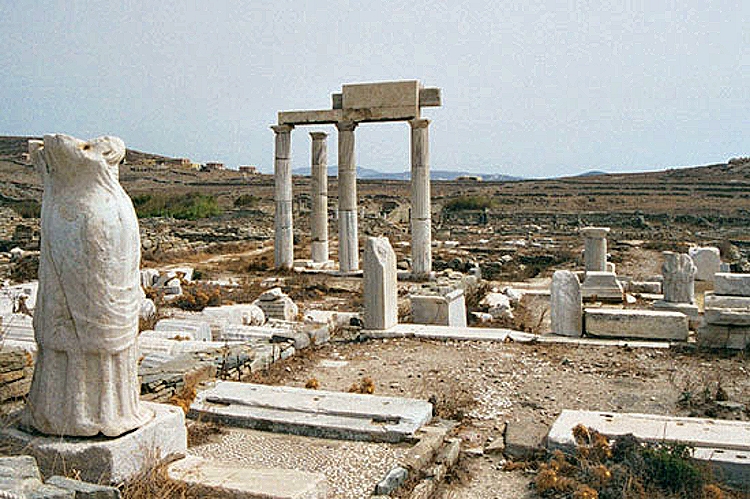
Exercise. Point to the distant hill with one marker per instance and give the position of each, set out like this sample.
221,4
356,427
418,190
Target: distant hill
370,174
591,173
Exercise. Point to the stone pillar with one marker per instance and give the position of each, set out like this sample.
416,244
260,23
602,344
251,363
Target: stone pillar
319,195
566,304
421,224
380,286
679,278
348,242
595,249
283,249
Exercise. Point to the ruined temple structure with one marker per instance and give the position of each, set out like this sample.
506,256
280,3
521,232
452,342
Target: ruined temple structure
357,103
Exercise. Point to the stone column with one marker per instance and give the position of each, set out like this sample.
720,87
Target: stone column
319,195
566,305
595,249
348,242
283,249
380,286
421,224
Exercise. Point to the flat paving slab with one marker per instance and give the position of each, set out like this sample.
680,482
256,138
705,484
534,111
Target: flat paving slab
315,413
220,479
724,444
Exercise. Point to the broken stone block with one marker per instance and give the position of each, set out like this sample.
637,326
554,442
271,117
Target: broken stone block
19,475
245,314
275,304
601,286
732,284
712,300
84,490
446,310
193,330
641,324
679,278
380,285
707,261
718,336
566,304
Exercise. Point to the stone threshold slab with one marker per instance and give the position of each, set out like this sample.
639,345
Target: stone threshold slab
315,413
450,333
224,480
725,445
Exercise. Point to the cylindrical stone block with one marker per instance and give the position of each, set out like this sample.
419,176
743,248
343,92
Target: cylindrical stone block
421,205
348,243
283,226
595,248
319,196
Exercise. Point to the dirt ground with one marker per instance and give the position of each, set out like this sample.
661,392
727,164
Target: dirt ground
487,385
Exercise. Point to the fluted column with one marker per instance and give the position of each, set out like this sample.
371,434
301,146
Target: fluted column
319,195
283,249
421,206
348,242
595,248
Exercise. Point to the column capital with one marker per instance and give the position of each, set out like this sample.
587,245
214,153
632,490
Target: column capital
346,126
282,128
318,135
419,123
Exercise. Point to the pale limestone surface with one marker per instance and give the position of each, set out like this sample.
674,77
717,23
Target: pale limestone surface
194,330
445,310
595,248
711,299
566,304
421,206
220,479
380,285
86,320
707,261
283,224
679,278
105,460
730,284
602,286
319,196
632,323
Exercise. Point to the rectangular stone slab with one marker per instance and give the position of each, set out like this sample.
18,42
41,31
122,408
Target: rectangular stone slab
218,479
315,413
382,94
726,283
101,459
727,316
724,444
712,300
629,323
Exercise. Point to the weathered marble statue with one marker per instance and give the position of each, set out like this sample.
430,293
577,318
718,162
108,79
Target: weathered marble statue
679,278
86,319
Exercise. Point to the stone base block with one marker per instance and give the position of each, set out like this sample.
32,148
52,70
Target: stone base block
224,480
727,316
726,283
716,336
643,324
712,300
686,308
601,286
102,459
448,310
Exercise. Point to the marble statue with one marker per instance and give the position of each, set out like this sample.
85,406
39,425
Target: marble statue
86,320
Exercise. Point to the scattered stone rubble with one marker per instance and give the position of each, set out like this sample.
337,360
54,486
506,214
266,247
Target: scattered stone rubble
727,313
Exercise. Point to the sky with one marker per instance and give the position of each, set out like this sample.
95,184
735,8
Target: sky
529,88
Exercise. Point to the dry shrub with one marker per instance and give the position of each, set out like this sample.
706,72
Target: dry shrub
626,469
312,384
366,386
184,398
154,483
200,432
451,401
197,296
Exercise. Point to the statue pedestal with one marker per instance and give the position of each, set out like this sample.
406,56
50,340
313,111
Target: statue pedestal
102,459
602,286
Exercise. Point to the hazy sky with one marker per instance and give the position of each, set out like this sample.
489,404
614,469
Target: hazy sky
530,88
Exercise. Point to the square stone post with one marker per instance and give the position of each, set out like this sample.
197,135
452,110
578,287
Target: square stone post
380,285
348,242
283,249
421,206
595,249
319,195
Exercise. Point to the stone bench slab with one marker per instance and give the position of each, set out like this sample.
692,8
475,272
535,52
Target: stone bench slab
726,283
316,413
642,324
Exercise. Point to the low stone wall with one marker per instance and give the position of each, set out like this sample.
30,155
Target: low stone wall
16,370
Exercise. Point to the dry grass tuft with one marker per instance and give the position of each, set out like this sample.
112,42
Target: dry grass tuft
312,384
154,484
366,386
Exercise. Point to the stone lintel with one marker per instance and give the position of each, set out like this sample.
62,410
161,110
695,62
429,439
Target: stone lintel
428,97
372,114
384,94
316,117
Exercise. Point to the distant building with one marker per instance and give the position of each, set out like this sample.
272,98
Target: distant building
212,167
253,170
469,178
